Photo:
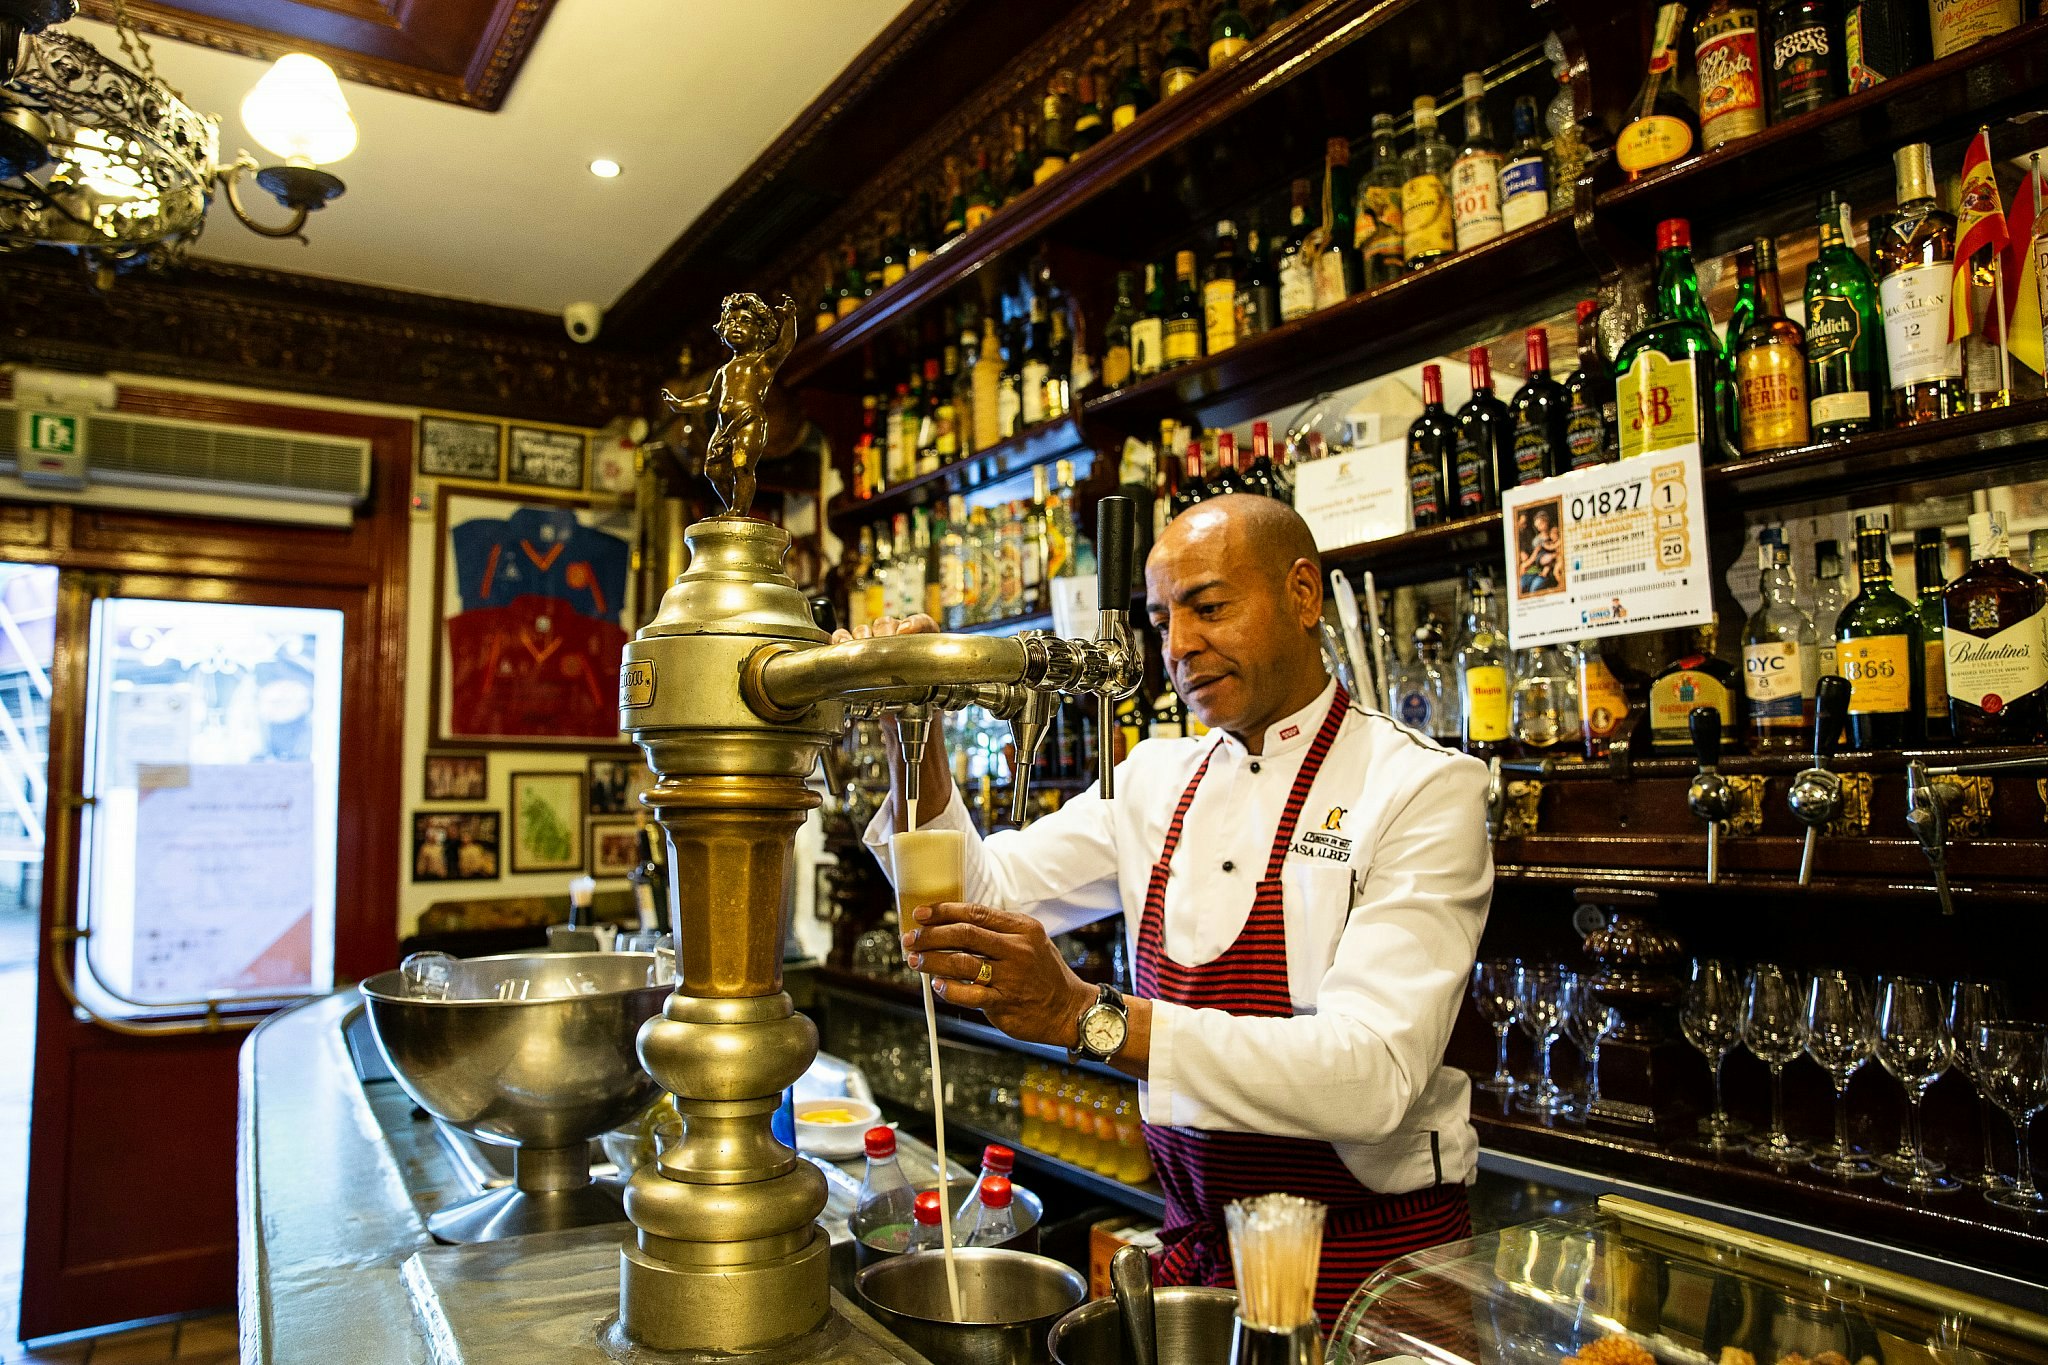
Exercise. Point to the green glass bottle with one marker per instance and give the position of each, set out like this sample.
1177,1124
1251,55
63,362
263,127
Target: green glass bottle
1743,311
1878,649
1930,559
1133,95
1229,33
1668,380
1181,62
1845,361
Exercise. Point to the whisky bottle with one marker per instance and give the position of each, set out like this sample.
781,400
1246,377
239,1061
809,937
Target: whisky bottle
1877,646
1010,387
1589,398
1475,175
1769,361
1228,478
1116,333
1727,51
1806,57
827,310
1183,334
1930,560
1297,271
1845,367
1697,677
1829,597
1913,254
1525,177
895,251
1539,411
1482,667
1037,364
1219,292
1059,378
1023,169
1260,476
1258,305
859,611
1881,40
1062,537
955,221
1427,230
1181,64
1132,95
1957,24
1089,127
1054,130
1484,444
1431,445
1229,33
1337,271
923,233
1605,701
1037,546
1667,375
1148,329
1376,220
981,190
1661,127
928,419
1995,643
1778,661
944,382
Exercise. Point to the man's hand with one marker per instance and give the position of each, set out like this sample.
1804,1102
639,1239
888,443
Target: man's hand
1030,993
884,626
935,780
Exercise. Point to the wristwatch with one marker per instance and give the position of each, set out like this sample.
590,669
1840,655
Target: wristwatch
1104,1026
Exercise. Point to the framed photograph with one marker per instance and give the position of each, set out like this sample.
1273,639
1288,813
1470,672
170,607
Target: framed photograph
616,784
546,457
454,846
461,448
614,845
547,822
535,601
455,777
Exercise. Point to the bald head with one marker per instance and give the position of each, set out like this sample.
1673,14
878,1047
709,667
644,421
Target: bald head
1256,534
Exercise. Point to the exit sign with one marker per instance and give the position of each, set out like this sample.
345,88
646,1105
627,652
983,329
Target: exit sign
51,446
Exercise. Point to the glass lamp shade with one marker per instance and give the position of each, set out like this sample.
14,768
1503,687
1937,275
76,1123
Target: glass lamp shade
298,112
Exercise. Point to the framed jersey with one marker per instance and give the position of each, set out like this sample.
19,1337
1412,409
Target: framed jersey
535,607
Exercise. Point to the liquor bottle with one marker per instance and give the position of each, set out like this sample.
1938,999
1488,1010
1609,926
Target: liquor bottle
1423,695
1089,126
1778,656
1148,328
1539,411
1769,361
827,310
1376,215
1009,551
1427,229
1260,476
1525,177
1228,479
988,387
1337,272
1193,487
977,579
852,285
1806,57
1913,254
1054,124
1589,398
1881,40
1219,292
1604,701
1258,304
1697,677
871,268
955,221
895,251
1229,33
1845,364
1297,271
952,565
1661,128
858,610
1475,175
1182,342
1742,310
869,477
1829,597
1037,365
930,531
981,189
1484,452
922,235
1956,24
1133,95
1930,558
1668,374
1877,646
2037,552
1059,379
1023,169
1431,446
1010,386
1116,333
1181,64
943,382
1542,710
1483,676
1995,643
1727,52
1062,540
926,441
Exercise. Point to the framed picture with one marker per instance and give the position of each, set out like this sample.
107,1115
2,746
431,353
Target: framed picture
614,845
461,448
616,784
536,603
546,457
454,845
547,822
455,777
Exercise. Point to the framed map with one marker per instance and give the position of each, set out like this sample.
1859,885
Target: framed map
546,457
547,822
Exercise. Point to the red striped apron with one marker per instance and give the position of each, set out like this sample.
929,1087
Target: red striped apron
1201,1171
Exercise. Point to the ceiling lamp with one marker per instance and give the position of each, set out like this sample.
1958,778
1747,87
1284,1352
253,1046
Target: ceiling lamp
111,163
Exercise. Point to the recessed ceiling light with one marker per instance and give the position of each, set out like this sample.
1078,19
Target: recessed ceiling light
604,168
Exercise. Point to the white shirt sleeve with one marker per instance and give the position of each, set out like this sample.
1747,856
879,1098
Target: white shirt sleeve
1350,1072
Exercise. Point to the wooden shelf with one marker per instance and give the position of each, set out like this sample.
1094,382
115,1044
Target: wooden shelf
1886,459
1005,460
1418,556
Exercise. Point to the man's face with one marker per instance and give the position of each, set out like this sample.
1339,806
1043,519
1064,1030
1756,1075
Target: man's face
1230,622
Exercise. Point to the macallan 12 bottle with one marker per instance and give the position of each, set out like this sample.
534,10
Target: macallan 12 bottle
1913,252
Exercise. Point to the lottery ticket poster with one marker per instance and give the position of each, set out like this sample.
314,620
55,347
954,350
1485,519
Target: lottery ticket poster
1611,550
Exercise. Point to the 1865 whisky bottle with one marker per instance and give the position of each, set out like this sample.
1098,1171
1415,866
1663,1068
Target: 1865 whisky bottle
1878,649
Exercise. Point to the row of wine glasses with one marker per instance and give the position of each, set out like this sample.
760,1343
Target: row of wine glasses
1549,1002
1916,1033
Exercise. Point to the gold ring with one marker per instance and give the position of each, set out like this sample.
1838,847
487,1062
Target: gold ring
986,974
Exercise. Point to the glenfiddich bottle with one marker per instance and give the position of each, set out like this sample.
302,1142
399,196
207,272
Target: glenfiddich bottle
1727,49
1995,643
1930,556
1484,444
1877,646
1913,253
1770,367
1697,677
1427,231
1845,368
1430,455
1661,127
1667,376
1539,412
1589,397
1806,57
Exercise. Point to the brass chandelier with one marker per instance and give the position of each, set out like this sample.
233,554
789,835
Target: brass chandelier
108,161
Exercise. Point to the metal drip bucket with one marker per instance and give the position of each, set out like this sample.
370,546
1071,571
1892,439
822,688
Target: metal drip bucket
1010,1300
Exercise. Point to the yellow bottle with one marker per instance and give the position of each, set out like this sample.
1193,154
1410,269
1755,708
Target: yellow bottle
1060,1123
1108,1155
1081,1145
1030,1133
1136,1163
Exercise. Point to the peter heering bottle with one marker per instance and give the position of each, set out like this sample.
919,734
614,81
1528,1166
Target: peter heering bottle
1877,645
1778,657
1913,252
1770,367
1995,643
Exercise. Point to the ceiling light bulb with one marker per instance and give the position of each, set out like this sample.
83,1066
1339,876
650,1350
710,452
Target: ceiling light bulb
604,168
298,112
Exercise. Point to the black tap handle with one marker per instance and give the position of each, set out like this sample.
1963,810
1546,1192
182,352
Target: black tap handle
1113,553
1705,723
1830,709
825,614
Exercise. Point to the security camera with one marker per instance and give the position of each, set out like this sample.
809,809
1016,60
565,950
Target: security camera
582,321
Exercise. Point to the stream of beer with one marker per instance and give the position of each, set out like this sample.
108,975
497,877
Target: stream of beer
931,1034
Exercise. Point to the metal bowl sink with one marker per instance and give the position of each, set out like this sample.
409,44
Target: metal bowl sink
543,1074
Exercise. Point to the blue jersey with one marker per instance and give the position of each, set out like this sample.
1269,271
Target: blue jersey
541,552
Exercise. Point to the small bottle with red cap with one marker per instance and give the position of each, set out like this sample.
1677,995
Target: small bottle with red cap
996,1220
996,1160
882,1214
925,1234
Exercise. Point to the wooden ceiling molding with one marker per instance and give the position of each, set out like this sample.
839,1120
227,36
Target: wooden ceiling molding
458,51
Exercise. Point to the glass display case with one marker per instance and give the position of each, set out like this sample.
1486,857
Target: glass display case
1627,1283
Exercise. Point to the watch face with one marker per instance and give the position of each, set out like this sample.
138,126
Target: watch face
1102,1030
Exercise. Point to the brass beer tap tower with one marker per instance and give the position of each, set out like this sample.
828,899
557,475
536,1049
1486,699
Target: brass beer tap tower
733,692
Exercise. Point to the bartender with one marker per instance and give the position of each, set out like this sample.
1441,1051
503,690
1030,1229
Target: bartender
1306,885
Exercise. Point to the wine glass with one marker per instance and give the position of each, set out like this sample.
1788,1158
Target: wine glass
1541,1003
1712,1020
1915,1046
2012,1062
1774,1029
1493,993
1840,1035
1588,1020
1971,1005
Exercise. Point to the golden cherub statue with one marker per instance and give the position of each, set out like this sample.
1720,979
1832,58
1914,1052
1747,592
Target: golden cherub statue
760,338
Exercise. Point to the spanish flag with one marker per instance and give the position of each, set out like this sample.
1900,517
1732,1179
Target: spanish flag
1981,224
2022,290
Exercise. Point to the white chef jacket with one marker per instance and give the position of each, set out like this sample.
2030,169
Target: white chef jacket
1385,890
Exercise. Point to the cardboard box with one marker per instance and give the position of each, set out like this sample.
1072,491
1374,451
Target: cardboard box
1106,1237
